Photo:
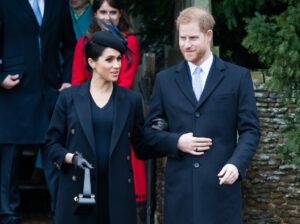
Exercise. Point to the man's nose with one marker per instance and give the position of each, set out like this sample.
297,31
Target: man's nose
187,43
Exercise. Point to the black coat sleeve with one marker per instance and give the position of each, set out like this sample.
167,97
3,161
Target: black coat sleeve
68,43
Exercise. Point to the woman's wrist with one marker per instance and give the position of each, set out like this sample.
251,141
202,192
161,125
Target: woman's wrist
69,157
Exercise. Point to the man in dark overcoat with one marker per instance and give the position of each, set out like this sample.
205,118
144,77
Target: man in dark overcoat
33,35
213,129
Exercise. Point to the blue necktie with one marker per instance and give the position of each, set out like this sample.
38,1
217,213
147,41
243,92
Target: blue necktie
197,82
37,12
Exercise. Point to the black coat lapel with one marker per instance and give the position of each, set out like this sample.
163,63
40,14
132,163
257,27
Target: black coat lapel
48,11
27,10
121,110
83,110
184,82
215,76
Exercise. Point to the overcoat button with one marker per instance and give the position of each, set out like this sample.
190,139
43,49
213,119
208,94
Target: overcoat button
72,131
74,178
129,180
129,134
196,165
128,158
197,114
56,165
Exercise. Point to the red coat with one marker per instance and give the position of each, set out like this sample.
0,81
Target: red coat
80,74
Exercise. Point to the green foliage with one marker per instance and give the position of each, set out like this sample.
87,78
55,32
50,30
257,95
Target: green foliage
276,40
230,27
289,152
230,9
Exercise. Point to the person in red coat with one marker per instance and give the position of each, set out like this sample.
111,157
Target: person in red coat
113,11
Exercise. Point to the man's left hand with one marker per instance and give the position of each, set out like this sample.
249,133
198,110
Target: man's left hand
65,85
228,175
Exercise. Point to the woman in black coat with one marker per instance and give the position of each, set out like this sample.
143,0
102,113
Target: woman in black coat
99,120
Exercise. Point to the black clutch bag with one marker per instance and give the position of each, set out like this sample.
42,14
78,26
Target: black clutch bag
85,203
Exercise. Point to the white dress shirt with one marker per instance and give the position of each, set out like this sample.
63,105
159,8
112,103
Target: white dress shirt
205,66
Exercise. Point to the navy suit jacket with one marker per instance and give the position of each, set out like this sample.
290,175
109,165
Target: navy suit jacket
71,129
25,110
227,114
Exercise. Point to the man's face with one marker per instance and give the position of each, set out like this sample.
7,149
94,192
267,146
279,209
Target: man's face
194,44
78,4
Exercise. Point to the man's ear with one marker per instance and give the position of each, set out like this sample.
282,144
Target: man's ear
209,35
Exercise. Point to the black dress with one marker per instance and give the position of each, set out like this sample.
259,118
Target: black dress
102,119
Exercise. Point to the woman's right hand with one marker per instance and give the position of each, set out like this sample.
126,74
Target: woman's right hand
79,161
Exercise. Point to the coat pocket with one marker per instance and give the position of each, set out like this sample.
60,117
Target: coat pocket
13,65
224,96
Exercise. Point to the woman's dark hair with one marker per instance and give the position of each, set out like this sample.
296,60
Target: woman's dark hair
93,51
124,24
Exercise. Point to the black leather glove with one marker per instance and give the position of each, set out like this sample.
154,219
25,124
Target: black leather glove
79,161
159,124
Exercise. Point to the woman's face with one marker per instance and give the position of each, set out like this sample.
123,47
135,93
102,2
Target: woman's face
106,11
108,65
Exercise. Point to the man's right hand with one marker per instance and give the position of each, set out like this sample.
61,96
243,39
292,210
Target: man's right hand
10,81
194,145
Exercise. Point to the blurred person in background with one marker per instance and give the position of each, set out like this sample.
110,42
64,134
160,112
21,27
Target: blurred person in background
33,35
81,13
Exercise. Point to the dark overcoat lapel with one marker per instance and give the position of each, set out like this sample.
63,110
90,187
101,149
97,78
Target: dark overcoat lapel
49,8
121,110
215,76
83,110
183,80
28,12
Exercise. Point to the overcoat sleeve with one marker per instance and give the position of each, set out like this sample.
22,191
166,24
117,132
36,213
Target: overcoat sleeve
142,150
248,126
57,132
163,141
68,44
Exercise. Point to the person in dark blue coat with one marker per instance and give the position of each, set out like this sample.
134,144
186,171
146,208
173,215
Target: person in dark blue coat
213,128
100,120
33,34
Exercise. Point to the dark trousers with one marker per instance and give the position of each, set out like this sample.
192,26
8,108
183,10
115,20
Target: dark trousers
9,192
